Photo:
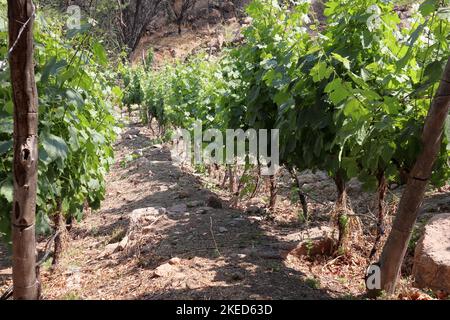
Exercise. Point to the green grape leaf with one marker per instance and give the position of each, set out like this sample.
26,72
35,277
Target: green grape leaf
5,146
354,109
351,167
337,91
428,7
345,62
100,53
6,125
93,184
55,147
321,71
433,71
6,189
74,98
52,68
9,107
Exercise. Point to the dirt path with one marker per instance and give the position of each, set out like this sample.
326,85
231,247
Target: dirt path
156,238
172,245
198,253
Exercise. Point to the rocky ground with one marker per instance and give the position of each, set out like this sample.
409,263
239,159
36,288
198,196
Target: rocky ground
163,234
168,232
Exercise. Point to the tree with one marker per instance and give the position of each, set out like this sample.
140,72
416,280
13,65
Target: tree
135,17
21,14
180,8
397,242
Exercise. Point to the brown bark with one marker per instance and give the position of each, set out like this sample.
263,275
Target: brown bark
342,217
136,15
273,192
301,195
397,242
241,183
231,185
257,182
382,188
341,201
226,177
61,232
235,199
21,18
180,9
216,171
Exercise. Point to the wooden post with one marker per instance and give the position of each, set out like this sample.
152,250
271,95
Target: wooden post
21,18
408,210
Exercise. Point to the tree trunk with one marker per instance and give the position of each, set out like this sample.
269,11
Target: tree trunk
273,193
179,23
397,242
301,195
342,217
257,182
61,233
21,19
225,177
232,184
240,186
382,188
341,201
137,14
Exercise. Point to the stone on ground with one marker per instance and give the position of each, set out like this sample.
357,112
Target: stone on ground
223,230
175,261
143,215
196,203
214,202
315,241
432,257
177,209
165,270
203,210
110,249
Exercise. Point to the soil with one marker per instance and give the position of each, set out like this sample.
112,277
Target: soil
169,46
186,251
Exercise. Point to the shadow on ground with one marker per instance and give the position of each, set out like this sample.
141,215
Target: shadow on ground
225,253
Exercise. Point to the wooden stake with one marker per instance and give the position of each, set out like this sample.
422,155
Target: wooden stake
21,18
408,210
